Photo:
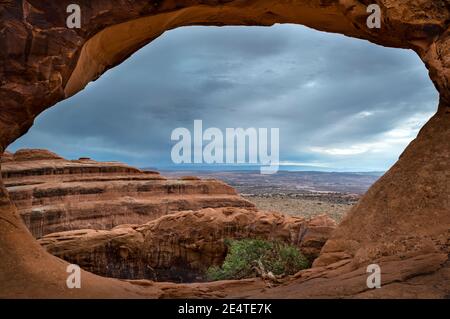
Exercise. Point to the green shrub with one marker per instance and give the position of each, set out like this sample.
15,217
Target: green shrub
247,255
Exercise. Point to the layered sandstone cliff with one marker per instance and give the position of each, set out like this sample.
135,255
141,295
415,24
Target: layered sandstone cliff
53,194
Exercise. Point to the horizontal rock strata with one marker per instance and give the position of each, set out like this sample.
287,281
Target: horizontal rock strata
53,194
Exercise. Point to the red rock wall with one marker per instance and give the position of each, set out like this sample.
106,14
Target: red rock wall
53,194
42,62
181,246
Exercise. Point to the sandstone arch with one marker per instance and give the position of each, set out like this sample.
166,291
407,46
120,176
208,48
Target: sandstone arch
403,221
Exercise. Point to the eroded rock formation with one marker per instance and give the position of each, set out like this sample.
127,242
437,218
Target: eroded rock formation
181,246
53,194
402,222
85,211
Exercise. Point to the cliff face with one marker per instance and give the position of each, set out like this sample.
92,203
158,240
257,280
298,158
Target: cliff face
53,194
401,223
181,246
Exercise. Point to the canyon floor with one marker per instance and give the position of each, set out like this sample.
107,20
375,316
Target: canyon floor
297,205
297,193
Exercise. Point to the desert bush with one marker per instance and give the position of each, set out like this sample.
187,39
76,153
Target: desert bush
249,258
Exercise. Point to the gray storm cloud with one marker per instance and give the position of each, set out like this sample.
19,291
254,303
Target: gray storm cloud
340,103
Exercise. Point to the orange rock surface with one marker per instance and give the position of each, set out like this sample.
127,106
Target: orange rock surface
53,194
181,246
402,223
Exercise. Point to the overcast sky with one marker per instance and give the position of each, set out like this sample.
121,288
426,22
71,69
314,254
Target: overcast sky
340,103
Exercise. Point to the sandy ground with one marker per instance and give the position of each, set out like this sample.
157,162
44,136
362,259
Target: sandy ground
309,207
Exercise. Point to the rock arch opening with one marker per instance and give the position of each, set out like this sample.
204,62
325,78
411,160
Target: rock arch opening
77,208
401,223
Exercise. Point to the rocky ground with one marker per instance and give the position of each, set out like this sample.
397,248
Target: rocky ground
334,205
